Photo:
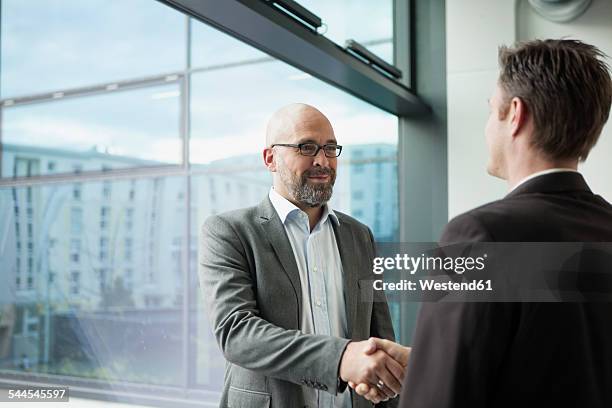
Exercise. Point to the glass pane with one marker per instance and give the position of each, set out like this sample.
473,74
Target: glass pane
91,282
223,187
357,20
253,92
230,108
131,128
50,45
211,49
209,364
226,186
366,187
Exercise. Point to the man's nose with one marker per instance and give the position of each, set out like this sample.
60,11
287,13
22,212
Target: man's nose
321,159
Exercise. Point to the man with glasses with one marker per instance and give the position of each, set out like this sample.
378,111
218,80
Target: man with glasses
282,283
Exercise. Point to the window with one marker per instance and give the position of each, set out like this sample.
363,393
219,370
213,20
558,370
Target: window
76,192
106,189
82,288
152,301
358,20
104,216
129,219
128,278
225,171
25,167
76,220
103,249
75,250
144,130
128,249
102,281
147,38
121,237
132,192
75,282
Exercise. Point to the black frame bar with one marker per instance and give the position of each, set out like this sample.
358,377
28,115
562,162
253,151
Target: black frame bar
259,24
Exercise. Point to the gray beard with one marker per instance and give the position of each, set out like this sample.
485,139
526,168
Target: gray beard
312,195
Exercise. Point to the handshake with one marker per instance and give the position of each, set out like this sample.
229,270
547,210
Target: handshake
375,368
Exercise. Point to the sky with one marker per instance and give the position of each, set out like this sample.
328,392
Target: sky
52,45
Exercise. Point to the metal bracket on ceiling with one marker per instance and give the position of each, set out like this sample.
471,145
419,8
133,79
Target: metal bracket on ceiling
560,11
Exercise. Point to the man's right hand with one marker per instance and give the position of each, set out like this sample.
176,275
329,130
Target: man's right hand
360,364
398,352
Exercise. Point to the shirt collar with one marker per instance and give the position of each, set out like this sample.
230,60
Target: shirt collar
541,173
285,208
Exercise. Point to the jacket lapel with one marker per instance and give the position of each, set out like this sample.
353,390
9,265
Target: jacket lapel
277,236
346,247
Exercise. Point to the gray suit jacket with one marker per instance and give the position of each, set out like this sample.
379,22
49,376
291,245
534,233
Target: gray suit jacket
251,288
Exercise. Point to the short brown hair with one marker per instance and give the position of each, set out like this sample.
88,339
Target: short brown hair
566,87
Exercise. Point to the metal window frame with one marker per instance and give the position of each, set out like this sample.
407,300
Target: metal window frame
286,40
422,146
257,23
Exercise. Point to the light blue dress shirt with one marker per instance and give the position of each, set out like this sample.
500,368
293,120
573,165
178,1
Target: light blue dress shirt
320,268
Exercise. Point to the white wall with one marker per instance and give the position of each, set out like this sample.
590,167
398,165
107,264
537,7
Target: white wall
474,29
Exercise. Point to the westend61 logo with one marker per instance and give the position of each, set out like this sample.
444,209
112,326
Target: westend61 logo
414,264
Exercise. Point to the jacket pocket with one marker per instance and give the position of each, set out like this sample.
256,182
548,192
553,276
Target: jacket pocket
239,398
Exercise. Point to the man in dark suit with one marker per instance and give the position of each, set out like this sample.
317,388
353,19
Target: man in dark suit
550,104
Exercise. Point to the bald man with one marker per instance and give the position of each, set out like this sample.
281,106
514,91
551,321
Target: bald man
282,283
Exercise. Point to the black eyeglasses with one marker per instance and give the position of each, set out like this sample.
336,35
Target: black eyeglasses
312,149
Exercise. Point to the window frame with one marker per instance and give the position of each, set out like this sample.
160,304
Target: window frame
364,82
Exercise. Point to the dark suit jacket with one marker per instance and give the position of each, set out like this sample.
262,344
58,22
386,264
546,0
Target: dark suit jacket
518,354
251,287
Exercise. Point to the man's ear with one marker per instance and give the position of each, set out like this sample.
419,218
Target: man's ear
268,157
518,115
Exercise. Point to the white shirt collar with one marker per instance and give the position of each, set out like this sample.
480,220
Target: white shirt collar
284,208
541,173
